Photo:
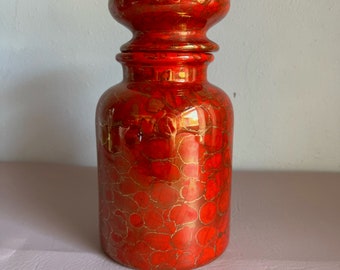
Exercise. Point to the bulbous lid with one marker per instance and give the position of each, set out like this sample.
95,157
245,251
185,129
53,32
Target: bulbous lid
169,25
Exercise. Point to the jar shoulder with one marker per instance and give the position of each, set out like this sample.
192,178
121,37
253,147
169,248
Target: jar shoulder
154,96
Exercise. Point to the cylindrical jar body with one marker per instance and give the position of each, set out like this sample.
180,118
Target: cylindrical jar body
164,140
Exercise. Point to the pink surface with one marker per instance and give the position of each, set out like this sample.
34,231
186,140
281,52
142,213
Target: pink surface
280,220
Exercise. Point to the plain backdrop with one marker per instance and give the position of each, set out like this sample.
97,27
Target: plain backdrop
279,61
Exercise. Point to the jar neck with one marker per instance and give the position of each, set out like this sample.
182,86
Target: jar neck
165,66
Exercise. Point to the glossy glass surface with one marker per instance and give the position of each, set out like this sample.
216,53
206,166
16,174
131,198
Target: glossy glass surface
164,138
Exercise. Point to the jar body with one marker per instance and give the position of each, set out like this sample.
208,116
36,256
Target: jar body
164,164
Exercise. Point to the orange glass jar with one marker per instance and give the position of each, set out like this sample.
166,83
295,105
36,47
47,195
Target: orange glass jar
164,140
